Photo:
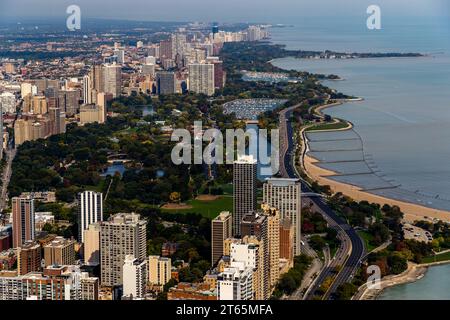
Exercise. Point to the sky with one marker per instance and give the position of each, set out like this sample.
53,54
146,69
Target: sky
271,11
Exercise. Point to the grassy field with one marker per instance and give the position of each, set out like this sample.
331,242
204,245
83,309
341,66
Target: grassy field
209,209
328,126
367,237
437,258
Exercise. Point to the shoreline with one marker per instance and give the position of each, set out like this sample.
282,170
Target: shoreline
411,211
413,273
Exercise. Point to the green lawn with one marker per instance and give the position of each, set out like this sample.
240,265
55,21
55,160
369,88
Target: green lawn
367,237
209,209
328,126
437,258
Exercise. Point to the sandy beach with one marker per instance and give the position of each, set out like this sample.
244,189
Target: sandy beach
412,211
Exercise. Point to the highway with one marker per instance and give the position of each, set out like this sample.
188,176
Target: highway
349,254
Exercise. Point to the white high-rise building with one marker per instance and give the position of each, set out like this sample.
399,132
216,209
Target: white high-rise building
134,277
201,78
235,283
284,194
90,210
87,90
112,74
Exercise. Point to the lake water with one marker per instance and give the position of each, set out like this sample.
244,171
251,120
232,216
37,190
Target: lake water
434,286
402,127
404,122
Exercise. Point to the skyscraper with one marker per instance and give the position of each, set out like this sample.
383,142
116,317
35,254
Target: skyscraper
179,44
112,74
256,225
273,243
90,210
91,245
23,220
201,78
285,195
165,51
87,90
165,82
123,234
69,101
244,190
221,229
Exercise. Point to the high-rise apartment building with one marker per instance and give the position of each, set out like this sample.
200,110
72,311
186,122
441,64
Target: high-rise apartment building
201,78
256,225
159,270
165,82
221,229
90,210
123,234
28,258
60,252
244,190
285,195
235,283
87,89
23,220
273,243
112,74
134,277
91,245
69,101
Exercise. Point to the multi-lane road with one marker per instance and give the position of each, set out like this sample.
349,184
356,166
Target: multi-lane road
349,254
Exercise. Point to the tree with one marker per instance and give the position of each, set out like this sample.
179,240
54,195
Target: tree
175,197
397,264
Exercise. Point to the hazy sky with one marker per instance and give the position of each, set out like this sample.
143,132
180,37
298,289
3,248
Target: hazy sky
273,11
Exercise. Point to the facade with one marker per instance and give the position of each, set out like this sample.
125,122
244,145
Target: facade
244,190
59,252
250,252
134,277
159,270
87,89
285,195
201,78
166,82
69,101
8,102
23,220
235,283
287,240
123,234
112,74
90,210
221,229
28,258
89,288
91,245
90,113
273,243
